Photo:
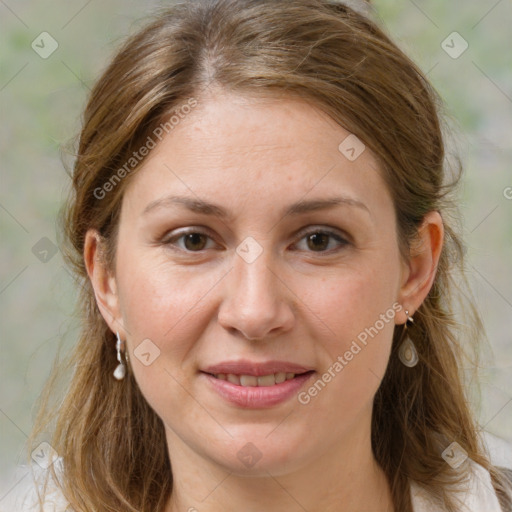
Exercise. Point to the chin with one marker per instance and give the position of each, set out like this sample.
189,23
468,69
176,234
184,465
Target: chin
261,453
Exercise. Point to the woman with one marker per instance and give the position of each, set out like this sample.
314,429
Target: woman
259,224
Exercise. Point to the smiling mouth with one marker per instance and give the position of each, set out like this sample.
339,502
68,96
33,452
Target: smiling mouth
261,381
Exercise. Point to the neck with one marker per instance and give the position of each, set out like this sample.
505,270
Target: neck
346,476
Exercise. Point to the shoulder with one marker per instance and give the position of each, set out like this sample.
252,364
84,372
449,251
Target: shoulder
475,495
24,497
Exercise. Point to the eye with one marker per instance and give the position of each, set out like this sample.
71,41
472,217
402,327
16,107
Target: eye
314,240
191,241
319,240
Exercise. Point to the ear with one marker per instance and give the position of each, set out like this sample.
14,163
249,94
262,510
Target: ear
103,282
420,270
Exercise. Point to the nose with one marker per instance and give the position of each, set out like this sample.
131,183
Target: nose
257,304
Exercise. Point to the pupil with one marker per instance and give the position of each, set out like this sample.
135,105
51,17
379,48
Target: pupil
318,241
195,239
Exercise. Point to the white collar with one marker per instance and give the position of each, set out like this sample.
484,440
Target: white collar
477,495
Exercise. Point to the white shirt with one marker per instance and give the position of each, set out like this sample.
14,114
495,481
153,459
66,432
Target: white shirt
477,496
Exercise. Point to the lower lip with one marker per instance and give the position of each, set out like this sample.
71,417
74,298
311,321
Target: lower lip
258,397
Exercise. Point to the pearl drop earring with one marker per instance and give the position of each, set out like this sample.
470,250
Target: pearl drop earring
407,352
120,371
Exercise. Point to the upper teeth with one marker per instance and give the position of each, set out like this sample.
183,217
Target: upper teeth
251,380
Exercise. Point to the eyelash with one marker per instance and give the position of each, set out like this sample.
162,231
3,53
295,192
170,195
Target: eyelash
342,242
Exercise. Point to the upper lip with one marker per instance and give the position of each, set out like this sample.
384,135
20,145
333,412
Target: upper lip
245,367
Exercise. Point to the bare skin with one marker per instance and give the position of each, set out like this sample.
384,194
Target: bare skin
304,299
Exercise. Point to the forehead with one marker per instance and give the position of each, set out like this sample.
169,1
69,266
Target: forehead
236,148
224,125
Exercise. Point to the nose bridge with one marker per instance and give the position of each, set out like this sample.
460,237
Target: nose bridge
255,303
254,278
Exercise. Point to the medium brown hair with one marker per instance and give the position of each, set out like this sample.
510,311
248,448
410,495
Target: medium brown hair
112,443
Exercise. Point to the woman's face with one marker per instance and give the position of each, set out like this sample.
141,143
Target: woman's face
252,244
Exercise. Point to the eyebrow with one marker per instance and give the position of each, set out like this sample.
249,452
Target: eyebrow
207,208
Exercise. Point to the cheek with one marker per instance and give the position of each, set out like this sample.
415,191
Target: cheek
357,312
158,298
351,300
165,311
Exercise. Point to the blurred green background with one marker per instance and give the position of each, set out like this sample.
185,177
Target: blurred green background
41,100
